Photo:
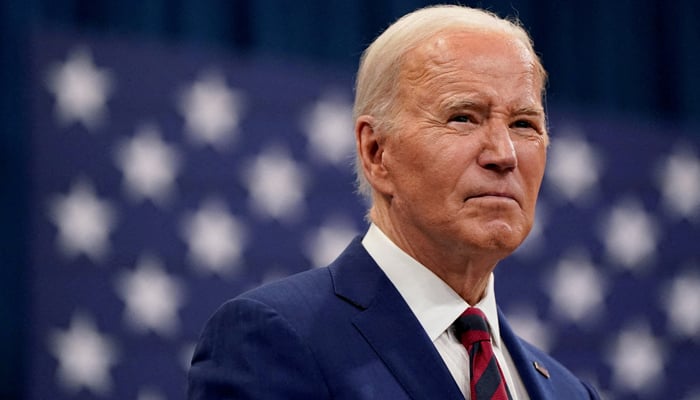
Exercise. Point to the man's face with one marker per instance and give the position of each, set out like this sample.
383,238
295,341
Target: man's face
467,155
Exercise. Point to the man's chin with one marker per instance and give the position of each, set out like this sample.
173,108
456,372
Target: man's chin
502,238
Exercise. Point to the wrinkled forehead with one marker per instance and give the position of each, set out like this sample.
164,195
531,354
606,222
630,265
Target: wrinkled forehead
481,51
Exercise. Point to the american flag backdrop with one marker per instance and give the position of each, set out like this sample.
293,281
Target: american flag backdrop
166,180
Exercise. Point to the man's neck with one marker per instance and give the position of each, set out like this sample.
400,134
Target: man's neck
464,271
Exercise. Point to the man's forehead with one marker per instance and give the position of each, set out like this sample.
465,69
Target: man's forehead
490,54
448,45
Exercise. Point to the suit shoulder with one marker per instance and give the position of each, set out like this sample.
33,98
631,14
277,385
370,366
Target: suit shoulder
300,285
292,297
254,346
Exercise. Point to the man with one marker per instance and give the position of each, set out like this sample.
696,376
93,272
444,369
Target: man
451,146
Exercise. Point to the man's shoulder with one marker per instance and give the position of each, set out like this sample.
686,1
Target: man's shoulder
291,301
316,284
303,294
300,287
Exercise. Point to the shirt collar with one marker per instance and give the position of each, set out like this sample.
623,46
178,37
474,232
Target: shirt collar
432,301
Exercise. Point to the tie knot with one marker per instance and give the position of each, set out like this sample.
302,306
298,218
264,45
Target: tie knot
471,327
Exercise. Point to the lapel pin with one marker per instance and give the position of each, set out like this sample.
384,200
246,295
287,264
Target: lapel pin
541,369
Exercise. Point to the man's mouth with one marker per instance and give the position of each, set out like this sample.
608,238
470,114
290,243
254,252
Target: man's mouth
505,196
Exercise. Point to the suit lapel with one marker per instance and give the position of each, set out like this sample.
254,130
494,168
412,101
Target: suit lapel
389,326
532,371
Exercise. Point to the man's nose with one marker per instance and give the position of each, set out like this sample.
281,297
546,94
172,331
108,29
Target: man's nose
498,151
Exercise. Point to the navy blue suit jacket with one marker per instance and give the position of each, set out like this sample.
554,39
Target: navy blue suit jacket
341,332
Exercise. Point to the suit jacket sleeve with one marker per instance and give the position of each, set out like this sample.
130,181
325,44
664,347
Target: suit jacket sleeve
248,351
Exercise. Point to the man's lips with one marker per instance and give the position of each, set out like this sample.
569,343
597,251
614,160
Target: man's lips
493,195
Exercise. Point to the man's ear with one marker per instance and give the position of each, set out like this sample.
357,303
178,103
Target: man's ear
371,151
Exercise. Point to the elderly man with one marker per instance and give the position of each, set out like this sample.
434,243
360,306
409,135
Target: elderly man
451,146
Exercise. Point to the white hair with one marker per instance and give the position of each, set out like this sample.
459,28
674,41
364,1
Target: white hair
378,77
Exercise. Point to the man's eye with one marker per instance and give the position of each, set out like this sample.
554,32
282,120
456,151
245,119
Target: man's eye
521,123
461,118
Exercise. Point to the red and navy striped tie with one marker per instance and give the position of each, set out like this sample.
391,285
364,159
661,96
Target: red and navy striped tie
486,379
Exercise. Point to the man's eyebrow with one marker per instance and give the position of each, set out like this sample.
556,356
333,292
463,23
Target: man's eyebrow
531,111
462,103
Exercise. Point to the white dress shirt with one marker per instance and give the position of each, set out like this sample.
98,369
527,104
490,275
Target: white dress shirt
437,306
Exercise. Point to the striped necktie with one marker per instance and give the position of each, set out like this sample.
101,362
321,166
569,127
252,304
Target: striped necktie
486,379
